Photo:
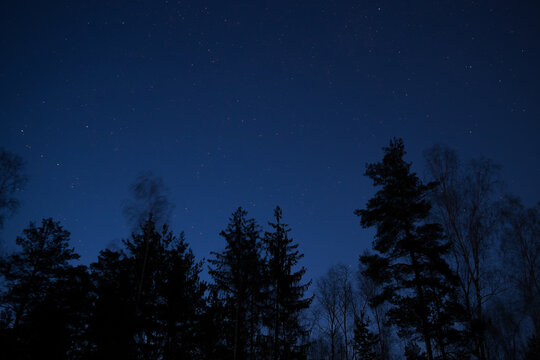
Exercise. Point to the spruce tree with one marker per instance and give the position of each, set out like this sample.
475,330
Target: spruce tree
284,297
236,272
409,260
366,343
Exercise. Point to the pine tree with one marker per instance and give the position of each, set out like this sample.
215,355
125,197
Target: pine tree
284,297
410,256
236,272
366,343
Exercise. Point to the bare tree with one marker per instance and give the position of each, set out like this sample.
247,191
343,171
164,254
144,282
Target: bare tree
337,307
521,253
464,205
150,196
319,347
12,180
346,306
150,204
328,300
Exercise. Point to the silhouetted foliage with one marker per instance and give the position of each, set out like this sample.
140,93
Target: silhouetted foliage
237,274
44,295
112,323
284,299
369,289
366,343
213,328
414,352
410,256
155,285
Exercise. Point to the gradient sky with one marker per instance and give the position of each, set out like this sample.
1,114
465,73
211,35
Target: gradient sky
257,104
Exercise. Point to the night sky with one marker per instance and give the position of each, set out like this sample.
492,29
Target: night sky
257,104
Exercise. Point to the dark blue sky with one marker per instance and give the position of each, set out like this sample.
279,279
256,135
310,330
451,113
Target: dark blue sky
257,104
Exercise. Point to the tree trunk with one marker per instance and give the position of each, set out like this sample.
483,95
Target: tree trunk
423,315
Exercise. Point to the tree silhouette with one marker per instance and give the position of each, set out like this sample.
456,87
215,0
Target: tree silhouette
112,324
520,245
463,204
336,302
368,290
327,295
156,284
366,343
410,255
284,295
237,275
43,294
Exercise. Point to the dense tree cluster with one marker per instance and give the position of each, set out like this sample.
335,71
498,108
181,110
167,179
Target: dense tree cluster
453,273
147,301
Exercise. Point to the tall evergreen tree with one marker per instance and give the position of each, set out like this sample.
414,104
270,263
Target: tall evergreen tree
236,272
40,304
284,297
410,255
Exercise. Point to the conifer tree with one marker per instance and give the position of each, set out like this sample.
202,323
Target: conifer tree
213,345
284,296
409,259
154,284
366,343
40,316
237,275
111,330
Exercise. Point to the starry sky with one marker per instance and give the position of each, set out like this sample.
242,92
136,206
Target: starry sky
257,104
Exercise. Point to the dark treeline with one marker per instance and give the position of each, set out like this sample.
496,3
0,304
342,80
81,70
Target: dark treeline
453,273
